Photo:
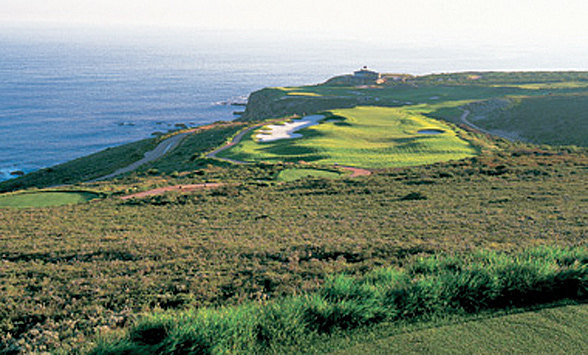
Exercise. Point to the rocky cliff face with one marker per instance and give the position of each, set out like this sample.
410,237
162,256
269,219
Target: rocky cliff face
272,103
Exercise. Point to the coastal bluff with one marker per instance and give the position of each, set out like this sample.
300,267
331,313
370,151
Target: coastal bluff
275,102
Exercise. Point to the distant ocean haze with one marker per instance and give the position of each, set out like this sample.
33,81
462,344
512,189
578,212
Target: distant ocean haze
66,93
60,100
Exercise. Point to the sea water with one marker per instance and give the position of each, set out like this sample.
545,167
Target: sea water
66,93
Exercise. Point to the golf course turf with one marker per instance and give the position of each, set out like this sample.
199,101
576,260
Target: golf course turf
295,174
46,198
364,136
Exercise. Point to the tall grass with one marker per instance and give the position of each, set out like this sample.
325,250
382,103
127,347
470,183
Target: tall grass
426,287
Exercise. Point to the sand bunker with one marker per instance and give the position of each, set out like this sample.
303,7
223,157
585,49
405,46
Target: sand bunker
287,130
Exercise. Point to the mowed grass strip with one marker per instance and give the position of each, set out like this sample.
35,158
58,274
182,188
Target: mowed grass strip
364,136
295,174
45,199
560,330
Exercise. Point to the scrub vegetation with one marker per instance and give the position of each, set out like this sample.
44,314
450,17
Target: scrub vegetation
94,267
317,256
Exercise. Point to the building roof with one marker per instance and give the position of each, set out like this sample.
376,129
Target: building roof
365,69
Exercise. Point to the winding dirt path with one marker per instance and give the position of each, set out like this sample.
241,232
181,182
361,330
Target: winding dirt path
506,135
464,119
162,190
355,172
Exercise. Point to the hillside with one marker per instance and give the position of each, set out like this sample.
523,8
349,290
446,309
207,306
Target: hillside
280,227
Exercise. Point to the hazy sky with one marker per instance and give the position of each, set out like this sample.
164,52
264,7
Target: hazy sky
516,21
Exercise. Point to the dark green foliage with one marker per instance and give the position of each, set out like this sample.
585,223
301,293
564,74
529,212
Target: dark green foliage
489,280
149,334
413,196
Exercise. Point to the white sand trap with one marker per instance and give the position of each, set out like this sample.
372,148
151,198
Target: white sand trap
287,130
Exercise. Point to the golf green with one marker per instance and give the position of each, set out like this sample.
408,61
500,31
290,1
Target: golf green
46,198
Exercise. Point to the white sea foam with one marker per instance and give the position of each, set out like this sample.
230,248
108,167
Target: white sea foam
5,173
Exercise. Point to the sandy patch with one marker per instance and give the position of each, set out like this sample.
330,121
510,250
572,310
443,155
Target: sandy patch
183,188
355,172
287,130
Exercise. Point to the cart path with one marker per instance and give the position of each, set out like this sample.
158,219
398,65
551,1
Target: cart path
162,148
509,136
182,188
236,140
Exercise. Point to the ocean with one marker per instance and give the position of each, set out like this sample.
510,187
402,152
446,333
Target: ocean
68,93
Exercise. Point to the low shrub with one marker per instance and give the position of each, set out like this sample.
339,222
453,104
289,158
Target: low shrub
413,196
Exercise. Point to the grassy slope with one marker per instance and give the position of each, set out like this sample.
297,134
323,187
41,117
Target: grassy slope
188,155
433,96
45,199
83,169
561,330
555,120
97,264
371,137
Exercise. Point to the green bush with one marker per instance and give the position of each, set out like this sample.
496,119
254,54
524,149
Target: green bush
413,196
427,287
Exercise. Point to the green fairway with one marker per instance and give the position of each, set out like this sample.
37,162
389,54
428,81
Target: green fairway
560,330
45,199
295,174
364,136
